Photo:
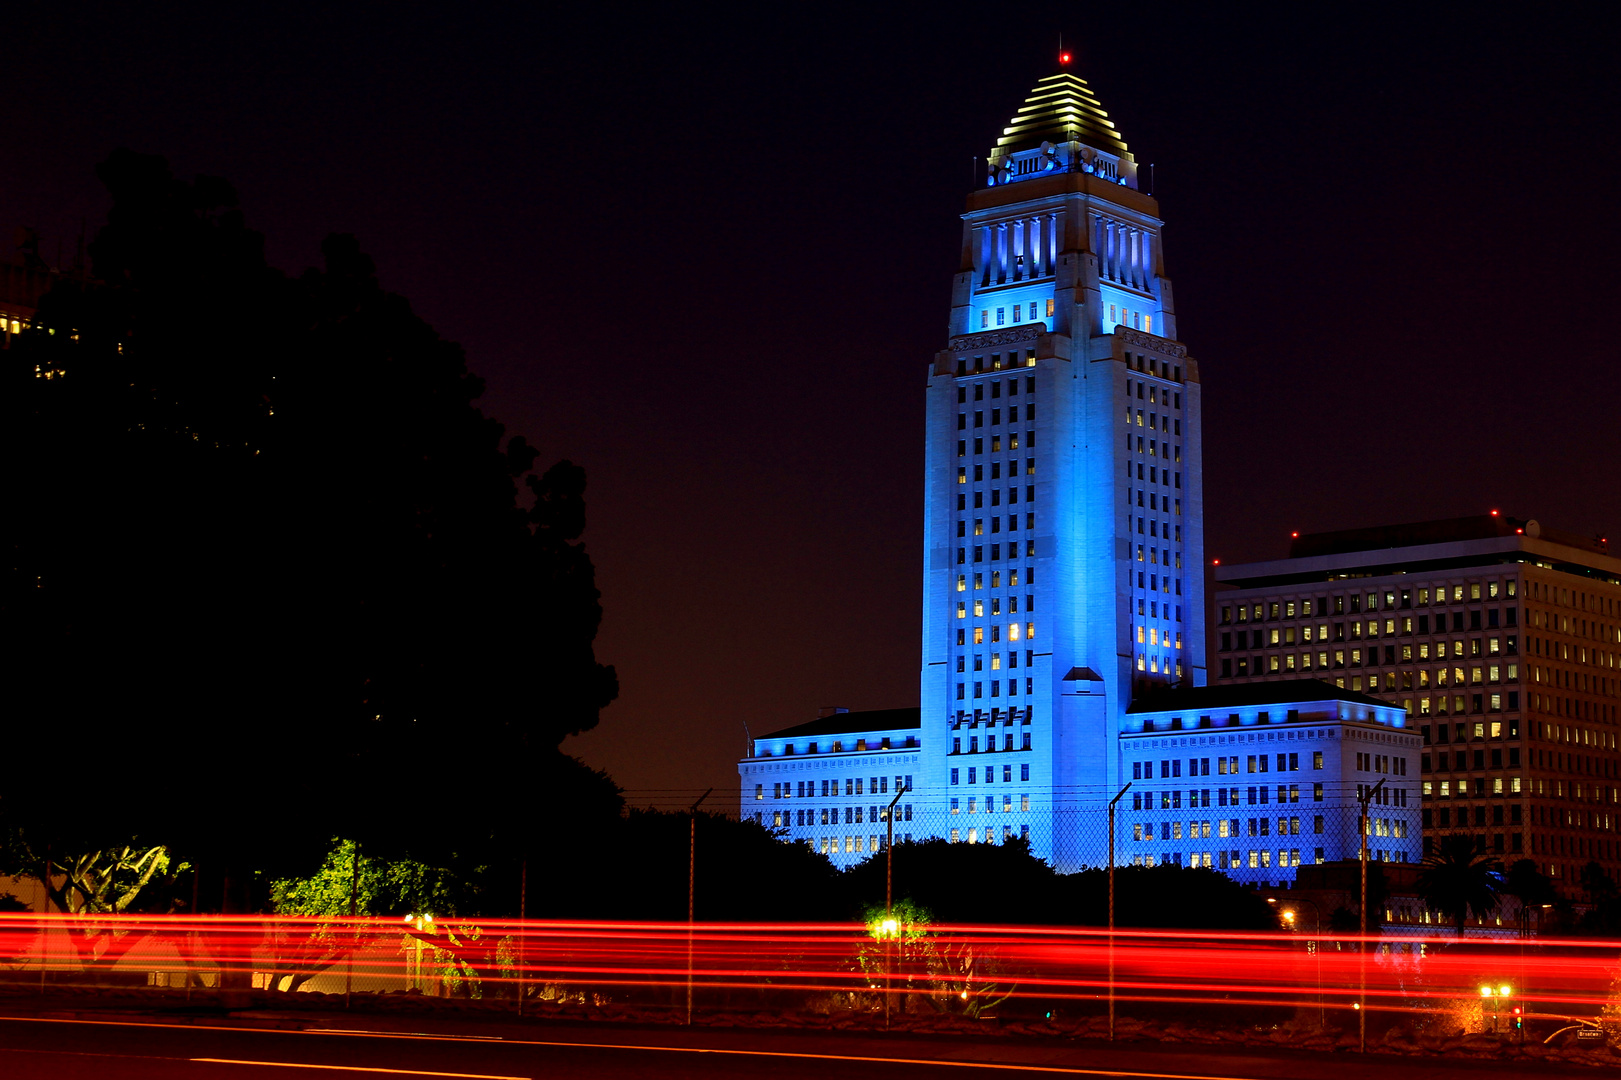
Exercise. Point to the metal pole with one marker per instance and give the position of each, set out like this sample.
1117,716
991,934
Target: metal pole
44,909
1316,947
1362,946
354,894
1112,802
523,900
1317,951
889,897
692,875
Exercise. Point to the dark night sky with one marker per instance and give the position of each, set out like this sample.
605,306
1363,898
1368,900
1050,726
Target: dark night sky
706,252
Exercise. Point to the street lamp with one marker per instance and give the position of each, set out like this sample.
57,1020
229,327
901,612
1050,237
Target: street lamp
1112,802
422,924
1313,945
1367,796
891,928
1495,995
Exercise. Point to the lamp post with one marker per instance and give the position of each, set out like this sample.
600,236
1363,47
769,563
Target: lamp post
889,897
422,923
692,877
1112,803
1494,995
523,905
354,928
1363,800
1314,945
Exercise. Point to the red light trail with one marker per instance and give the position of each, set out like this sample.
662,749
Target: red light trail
963,969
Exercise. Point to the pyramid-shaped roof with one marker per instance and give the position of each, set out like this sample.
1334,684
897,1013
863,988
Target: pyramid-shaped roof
1061,108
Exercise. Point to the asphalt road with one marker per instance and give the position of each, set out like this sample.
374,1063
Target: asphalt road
65,1048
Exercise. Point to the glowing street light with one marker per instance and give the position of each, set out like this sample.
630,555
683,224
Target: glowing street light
422,924
1495,995
1290,916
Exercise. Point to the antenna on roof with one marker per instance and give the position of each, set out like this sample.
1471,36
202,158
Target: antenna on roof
747,732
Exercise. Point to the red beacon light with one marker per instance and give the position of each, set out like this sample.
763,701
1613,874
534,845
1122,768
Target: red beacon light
1294,536
1494,513
1215,562
1063,58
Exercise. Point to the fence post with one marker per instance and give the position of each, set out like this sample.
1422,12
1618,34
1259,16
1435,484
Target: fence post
1112,802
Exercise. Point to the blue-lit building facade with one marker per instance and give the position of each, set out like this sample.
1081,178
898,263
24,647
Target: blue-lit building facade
1062,504
1063,507
829,783
1258,781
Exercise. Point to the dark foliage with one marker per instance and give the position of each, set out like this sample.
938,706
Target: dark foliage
742,873
269,575
1165,897
1459,880
953,880
945,878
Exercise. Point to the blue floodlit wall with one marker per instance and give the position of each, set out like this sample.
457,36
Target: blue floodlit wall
1255,791
1096,496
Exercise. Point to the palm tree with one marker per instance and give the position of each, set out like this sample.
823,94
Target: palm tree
1532,888
1460,880
1597,884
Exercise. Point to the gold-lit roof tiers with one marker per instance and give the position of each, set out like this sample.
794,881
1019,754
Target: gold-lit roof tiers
1062,108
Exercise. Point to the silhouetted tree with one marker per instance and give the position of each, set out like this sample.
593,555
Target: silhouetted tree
940,876
269,575
1532,887
1459,880
944,877
1596,883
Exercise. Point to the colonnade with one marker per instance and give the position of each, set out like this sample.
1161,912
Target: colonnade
1125,253
1019,250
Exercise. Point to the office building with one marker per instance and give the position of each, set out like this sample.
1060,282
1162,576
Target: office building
1063,592
1497,636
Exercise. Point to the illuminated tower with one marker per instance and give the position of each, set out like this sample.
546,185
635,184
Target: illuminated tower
1063,511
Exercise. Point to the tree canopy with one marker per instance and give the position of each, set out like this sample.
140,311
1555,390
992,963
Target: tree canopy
272,574
1459,880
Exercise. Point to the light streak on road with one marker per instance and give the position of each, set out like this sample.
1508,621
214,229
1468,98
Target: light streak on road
786,967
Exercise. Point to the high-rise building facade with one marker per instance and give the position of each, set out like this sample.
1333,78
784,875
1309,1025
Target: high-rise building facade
1499,637
1063,628
1062,521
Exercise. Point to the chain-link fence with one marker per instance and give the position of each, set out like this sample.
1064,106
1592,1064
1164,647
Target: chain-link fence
1255,833
802,975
